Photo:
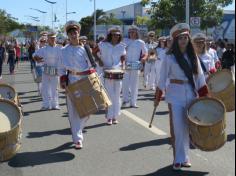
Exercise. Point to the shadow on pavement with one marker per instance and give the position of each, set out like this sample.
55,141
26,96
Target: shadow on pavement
136,146
95,126
66,131
56,155
231,137
162,113
23,93
167,171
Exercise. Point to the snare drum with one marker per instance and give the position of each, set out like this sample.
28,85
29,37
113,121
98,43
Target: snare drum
207,123
88,95
8,92
10,129
222,86
114,74
134,65
50,70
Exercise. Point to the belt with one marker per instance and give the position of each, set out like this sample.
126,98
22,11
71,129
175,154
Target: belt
177,81
88,72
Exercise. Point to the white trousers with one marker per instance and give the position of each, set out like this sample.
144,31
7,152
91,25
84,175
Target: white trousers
181,133
113,88
76,123
130,87
49,91
158,70
150,75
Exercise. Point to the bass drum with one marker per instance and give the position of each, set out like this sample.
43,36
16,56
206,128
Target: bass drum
207,124
222,86
10,129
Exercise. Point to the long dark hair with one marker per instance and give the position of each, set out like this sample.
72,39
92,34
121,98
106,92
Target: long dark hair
109,38
192,56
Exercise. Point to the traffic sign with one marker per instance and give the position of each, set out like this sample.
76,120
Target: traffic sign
195,21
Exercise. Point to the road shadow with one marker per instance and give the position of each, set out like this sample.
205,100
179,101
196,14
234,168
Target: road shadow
231,137
66,131
167,171
140,145
162,113
95,126
27,113
23,93
30,159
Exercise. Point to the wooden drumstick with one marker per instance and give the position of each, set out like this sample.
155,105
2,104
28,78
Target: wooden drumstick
153,114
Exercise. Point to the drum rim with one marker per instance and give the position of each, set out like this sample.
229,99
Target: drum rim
212,75
205,98
20,115
7,85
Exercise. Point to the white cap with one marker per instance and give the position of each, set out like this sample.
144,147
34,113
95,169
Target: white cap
199,37
133,27
72,25
180,29
52,34
115,29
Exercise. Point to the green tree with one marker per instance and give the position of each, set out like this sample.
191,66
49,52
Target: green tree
166,13
142,20
8,23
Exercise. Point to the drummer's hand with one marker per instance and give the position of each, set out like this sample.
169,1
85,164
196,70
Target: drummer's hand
156,103
63,85
101,64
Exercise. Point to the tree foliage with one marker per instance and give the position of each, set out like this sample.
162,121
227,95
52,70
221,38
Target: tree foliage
101,18
166,13
8,23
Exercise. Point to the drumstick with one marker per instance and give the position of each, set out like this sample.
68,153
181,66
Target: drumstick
153,114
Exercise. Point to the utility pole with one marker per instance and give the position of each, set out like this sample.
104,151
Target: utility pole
187,12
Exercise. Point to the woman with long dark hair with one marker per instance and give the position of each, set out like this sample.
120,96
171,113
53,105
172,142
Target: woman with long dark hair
112,57
182,69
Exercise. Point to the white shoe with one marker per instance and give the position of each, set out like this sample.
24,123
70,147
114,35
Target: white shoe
56,108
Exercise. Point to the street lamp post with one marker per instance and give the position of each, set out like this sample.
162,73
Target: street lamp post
52,3
123,17
95,22
187,12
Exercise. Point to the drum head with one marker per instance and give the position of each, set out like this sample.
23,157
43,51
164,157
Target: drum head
114,71
220,81
9,115
7,92
206,111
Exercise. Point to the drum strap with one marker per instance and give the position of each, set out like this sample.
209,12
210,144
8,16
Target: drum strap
90,56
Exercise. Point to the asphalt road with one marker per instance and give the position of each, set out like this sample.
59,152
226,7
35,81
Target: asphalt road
127,149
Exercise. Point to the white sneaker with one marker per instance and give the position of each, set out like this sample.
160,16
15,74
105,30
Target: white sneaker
56,108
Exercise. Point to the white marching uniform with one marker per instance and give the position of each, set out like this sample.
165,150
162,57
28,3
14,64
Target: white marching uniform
161,54
111,58
214,55
208,63
74,58
150,69
135,49
49,90
179,96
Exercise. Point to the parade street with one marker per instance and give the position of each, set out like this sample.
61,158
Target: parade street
127,149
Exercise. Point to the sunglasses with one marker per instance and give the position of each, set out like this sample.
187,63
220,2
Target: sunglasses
151,35
43,41
183,37
116,35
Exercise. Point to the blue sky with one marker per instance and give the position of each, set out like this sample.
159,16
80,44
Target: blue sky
21,9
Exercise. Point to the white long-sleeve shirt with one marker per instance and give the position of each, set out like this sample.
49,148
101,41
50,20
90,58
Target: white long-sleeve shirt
111,54
178,93
135,49
73,58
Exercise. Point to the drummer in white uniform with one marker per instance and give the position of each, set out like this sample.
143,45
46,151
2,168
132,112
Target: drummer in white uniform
137,54
112,57
212,52
49,55
74,65
150,64
187,82
206,60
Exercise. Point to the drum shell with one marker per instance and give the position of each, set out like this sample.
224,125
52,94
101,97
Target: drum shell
110,74
10,140
88,95
13,95
207,137
227,96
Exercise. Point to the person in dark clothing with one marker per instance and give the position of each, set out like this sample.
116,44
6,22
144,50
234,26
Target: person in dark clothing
11,58
31,51
228,58
2,58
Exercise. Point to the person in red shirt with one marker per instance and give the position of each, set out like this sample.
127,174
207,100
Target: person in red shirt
18,54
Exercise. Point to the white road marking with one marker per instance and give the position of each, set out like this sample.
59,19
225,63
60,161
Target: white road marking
143,123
